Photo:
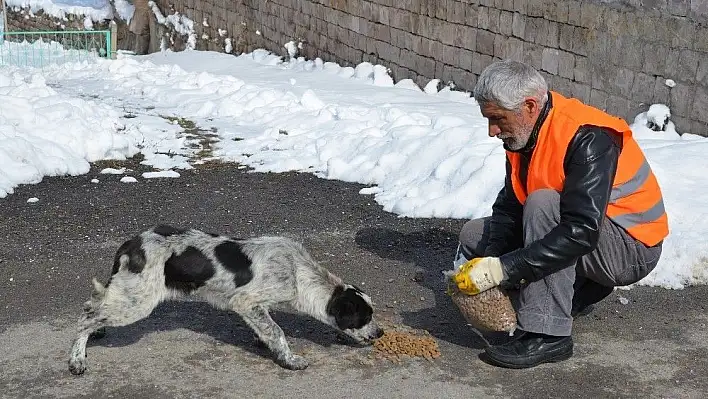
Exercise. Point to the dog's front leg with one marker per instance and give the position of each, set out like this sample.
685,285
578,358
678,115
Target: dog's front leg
272,335
88,323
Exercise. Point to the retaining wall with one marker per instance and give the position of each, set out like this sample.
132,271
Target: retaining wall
614,54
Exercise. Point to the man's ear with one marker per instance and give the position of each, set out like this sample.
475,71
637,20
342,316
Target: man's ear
531,106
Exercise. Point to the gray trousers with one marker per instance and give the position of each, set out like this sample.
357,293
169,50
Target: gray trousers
544,306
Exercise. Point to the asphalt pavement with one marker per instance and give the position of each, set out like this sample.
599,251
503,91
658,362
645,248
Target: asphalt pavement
644,342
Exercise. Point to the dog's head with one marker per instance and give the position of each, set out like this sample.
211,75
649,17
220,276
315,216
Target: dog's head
351,311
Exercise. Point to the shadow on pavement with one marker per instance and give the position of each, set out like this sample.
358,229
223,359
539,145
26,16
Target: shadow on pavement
224,326
431,251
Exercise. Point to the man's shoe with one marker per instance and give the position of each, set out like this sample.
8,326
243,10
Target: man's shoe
504,338
530,350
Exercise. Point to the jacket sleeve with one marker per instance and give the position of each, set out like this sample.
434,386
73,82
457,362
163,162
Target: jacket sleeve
590,166
505,231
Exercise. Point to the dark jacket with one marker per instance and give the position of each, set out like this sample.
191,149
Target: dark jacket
590,165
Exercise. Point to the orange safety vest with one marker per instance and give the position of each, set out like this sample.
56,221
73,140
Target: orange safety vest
636,203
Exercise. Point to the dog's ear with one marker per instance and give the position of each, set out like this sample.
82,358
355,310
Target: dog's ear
346,317
348,308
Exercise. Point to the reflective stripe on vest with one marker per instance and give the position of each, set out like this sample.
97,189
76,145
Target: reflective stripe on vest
632,184
636,203
624,190
630,220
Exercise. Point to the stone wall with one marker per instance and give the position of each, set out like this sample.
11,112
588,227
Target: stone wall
614,54
23,20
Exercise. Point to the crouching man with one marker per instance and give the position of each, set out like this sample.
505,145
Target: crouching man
580,212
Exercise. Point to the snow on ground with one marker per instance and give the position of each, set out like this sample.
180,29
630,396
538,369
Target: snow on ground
421,152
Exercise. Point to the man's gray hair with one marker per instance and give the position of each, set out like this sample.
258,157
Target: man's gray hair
507,83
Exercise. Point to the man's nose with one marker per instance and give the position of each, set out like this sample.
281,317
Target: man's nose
494,130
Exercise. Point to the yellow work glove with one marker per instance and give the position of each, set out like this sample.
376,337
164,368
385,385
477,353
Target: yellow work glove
478,275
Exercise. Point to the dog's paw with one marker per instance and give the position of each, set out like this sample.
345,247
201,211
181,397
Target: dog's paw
77,366
293,362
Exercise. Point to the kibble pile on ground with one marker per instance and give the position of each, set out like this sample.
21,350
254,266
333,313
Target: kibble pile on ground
395,344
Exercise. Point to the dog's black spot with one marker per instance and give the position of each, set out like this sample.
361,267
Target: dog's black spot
188,270
166,231
136,255
230,254
348,308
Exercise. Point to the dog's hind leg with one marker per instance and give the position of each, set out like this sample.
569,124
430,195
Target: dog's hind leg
115,306
272,335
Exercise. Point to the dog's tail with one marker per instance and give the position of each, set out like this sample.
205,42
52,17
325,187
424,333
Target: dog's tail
99,290
98,287
97,295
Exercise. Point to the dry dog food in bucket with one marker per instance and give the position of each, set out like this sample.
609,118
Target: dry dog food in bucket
490,310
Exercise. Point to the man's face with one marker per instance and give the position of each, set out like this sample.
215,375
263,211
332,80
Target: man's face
514,128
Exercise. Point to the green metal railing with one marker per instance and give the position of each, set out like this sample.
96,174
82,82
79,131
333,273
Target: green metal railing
39,49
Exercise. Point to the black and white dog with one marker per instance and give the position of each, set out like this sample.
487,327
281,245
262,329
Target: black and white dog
246,276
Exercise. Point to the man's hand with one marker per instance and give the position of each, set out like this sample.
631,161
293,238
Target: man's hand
479,275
